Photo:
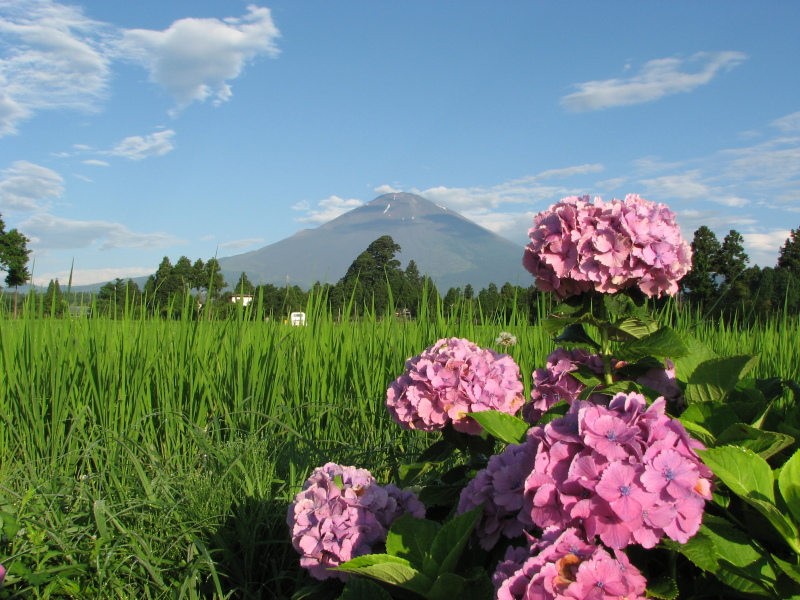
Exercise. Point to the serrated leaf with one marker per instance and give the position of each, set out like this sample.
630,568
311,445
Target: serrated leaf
715,417
390,569
636,328
576,334
789,484
505,427
451,539
664,587
750,477
665,343
742,565
446,587
699,549
764,443
713,379
744,472
698,354
411,538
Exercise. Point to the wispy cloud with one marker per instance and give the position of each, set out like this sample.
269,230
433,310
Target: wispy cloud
95,162
789,123
138,147
657,78
27,187
238,244
327,209
48,232
54,58
90,276
195,59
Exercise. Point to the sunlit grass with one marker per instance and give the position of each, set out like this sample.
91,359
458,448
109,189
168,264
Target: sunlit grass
155,458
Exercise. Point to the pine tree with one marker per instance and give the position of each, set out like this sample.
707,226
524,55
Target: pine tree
700,281
732,259
789,255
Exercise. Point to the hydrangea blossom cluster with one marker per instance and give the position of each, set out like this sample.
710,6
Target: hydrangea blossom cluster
554,382
499,487
342,513
562,565
450,380
626,472
577,246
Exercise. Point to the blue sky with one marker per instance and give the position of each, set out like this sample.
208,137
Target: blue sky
133,130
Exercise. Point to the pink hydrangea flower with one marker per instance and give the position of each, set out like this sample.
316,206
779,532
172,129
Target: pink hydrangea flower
578,245
342,513
555,381
561,566
626,472
450,380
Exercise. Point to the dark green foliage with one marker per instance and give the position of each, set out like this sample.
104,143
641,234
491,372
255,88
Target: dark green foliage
789,257
700,280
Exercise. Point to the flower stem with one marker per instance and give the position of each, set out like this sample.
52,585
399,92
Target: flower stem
605,353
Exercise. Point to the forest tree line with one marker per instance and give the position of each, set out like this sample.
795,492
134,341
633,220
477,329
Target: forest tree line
720,284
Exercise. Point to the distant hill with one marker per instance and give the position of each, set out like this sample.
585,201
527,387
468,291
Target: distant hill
450,248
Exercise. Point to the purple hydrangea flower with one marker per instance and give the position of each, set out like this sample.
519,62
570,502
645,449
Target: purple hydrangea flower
577,246
342,513
562,565
450,380
499,487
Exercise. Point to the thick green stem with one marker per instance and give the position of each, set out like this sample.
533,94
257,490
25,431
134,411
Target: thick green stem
605,353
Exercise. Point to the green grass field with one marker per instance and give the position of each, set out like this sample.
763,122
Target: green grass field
156,459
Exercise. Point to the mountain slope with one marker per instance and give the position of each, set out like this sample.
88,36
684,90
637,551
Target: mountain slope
448,247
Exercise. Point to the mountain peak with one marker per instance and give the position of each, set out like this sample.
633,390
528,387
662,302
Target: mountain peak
448,247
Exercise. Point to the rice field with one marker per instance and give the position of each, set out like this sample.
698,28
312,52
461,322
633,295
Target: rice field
155,459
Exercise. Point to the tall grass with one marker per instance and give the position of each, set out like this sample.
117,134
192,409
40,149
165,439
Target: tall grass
155,458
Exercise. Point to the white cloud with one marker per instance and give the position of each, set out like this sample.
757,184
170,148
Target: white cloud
328,209
569,171
195,59
789,123
763,248
237,244
718,221
386,189
25,187
98,163
137,147
90,276
49,232
684,186
610,184
51,57
657,78
83,178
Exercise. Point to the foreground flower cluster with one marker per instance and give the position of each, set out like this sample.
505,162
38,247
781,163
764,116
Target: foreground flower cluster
555,382
626,473
342,513
577,246
612,472
450,380
561,564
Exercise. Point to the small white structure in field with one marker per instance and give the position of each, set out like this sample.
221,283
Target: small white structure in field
297,318
243,298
